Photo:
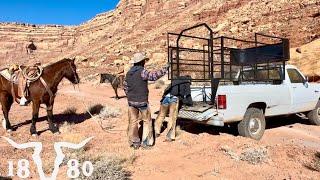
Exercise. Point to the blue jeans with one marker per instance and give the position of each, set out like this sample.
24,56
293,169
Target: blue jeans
169,100
140,107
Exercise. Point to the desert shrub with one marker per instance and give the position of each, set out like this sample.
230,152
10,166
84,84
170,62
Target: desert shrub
315,164
70,111
105,112
107,168
96,109
254,155
251,155
109,112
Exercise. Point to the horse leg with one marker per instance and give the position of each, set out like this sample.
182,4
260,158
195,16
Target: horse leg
6,102
35,115
53,128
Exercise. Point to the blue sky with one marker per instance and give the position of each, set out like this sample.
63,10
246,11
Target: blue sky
63,12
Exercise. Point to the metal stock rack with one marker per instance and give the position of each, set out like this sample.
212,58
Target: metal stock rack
212,60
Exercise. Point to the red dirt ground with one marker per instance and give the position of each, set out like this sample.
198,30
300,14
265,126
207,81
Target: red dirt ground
200,152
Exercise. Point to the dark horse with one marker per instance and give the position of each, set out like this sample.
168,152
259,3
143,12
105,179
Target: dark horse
52,75
113,80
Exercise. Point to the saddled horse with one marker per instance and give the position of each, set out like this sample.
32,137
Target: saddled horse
41,91
113,80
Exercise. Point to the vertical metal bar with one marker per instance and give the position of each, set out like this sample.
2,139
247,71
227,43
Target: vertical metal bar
169,59
268,69
204,63
255,65
230,68
284,59
241,72
214,81
178,58
222,57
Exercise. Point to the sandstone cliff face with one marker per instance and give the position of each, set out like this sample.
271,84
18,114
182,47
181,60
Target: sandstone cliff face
141,25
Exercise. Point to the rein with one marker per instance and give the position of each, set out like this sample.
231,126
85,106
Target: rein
99,120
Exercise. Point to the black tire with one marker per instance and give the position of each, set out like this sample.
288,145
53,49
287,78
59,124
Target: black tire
314,115
253,124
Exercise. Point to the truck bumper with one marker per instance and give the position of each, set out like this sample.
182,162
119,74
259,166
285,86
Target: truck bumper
210,117
216,121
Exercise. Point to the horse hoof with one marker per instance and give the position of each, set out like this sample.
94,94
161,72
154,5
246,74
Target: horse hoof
54,129
34,135
55,132
9,130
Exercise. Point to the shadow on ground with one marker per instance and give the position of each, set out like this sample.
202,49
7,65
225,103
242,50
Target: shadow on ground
68,116
271,123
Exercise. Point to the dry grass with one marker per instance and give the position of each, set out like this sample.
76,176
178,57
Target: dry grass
70,111
254,155
250,155
315,164
109,112
106,167
96,109
230,152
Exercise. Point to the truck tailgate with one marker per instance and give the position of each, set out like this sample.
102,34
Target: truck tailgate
199,112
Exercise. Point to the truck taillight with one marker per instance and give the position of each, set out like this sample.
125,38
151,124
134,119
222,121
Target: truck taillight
222,102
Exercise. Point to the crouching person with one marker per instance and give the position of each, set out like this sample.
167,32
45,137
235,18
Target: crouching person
169,104
136,88
178,93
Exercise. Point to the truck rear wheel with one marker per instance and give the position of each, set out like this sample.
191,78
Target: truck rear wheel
314,115
253,124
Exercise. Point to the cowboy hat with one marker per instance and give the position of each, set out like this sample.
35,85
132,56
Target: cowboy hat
138,57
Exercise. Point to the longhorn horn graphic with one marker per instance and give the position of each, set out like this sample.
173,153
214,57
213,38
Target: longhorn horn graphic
37,146
60,156
38,149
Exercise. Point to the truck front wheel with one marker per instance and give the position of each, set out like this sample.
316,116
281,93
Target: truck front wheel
253,124
314,115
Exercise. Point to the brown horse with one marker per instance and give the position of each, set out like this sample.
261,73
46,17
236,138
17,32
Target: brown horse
113,80
38,94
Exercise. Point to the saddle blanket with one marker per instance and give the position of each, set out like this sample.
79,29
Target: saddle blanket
10,77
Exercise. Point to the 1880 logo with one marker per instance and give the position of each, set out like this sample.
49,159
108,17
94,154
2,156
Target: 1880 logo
74,167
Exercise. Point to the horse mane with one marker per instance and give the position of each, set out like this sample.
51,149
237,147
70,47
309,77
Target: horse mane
64,60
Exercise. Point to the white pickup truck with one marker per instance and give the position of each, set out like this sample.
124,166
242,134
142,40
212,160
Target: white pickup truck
250,103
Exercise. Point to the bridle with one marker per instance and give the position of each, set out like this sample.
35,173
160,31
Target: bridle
74,74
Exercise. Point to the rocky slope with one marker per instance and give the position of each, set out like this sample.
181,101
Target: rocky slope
141,25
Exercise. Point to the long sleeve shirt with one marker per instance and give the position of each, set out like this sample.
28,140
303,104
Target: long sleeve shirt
147,76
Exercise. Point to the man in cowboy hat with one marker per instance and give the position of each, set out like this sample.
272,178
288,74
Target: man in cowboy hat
136,88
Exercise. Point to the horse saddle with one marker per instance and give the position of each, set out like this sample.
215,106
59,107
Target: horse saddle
21,77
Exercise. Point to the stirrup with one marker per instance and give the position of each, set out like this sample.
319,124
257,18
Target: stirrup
23,101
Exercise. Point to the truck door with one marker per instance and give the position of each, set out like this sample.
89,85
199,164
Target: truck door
302,95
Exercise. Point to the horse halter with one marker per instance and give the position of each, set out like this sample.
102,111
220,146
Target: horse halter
74,73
